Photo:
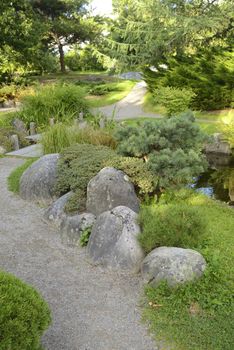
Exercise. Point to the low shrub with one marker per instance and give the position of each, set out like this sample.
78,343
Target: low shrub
61,136
143,179
63,102
5,138
174,100
24,315
80,163
77,166
175,225
14,178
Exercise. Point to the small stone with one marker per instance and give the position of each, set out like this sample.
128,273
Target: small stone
56,212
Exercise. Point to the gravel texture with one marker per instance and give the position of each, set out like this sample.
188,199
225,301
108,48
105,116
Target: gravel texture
91,309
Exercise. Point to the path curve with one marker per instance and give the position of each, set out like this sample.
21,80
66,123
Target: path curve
91,309
129,107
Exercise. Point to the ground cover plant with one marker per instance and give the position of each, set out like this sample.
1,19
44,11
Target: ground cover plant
24,315
199,315
14,178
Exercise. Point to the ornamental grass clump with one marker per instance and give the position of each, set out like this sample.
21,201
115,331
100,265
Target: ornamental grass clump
63,102
24,315
61,136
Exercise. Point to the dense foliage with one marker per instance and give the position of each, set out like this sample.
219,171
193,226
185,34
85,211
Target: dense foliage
208,74
24,315
148,31
80,163
63,102
171,148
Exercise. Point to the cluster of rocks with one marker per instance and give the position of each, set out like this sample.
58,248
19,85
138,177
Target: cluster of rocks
112,207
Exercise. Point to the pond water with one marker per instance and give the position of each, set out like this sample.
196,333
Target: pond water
218,181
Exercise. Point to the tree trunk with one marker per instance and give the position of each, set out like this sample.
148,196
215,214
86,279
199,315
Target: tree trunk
61,58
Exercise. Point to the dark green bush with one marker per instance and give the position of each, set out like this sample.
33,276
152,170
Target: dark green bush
170,147
175,225
24,315
63,102
208,74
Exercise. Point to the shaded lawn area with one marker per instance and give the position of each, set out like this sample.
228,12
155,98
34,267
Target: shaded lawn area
200,315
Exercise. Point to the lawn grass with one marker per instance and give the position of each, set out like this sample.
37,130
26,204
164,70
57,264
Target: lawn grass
6,118
14,178
215,116
200,315
151,107
120,90
208,128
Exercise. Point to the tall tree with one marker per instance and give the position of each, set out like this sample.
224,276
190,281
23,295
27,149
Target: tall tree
68,21
21,33
149,30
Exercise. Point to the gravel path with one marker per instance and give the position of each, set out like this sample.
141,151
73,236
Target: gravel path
91,309
131,106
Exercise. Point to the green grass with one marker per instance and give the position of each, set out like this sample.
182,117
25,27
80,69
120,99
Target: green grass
151,107
6,118
14,178
213,116
200,315
120,90
209,128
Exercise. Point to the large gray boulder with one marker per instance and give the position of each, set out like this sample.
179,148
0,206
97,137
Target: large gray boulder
110,188
73,226
38,181
113,242
56,212
174,265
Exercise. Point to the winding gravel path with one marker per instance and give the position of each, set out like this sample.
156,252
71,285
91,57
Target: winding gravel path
129,107
91,309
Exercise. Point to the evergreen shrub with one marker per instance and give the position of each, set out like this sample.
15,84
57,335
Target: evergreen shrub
24,315
175,100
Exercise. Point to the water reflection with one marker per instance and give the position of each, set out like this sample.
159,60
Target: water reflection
218,181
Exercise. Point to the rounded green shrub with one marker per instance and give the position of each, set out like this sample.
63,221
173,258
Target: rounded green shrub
174,225
24,315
